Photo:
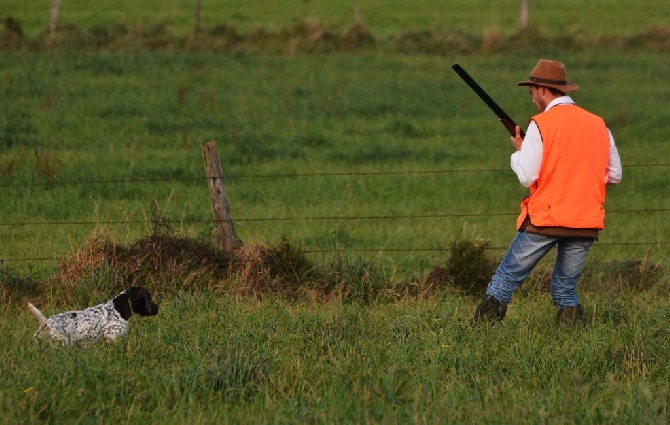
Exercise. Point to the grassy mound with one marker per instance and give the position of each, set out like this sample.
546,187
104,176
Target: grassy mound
168,264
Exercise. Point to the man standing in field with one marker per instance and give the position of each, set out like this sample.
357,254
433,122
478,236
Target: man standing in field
566,159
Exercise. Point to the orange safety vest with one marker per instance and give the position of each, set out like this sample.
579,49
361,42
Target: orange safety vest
570,189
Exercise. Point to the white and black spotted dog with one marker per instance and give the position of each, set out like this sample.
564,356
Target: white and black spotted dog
107,321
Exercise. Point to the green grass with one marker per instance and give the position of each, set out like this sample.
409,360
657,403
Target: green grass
206,360
115,118
89,139
604,17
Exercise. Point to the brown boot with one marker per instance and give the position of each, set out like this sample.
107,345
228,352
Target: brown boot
571,316
490,310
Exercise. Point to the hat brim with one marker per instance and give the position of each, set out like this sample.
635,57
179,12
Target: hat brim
564,88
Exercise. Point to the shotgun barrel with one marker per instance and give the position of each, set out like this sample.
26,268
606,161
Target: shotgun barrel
505,119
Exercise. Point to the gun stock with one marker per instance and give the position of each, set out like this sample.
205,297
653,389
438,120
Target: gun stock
505,119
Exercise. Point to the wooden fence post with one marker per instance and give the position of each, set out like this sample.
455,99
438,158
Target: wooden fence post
53,16
217,193
196,18
523,15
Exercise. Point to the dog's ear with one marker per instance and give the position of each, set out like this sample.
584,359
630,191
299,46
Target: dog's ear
140,301
122,305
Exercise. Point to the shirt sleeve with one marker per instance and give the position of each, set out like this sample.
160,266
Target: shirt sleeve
614,168
526,162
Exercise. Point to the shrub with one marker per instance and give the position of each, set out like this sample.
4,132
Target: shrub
635,274
468,269
283,270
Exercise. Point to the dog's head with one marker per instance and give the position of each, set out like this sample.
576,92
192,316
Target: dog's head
135,299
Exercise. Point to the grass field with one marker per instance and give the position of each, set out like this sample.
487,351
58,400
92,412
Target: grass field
384,157
210,360
112,132
603,17
206,358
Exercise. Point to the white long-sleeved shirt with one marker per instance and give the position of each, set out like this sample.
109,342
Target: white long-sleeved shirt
526,162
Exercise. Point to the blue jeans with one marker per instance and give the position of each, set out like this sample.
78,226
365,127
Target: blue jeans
526,251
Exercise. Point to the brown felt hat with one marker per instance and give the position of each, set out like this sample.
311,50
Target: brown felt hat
549,73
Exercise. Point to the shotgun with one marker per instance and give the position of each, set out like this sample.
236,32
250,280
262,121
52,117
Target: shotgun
504,118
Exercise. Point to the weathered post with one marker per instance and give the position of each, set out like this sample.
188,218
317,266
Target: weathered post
358,18
217,193
53,16
523,15
196,18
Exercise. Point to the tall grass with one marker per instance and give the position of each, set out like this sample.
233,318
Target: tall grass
205,360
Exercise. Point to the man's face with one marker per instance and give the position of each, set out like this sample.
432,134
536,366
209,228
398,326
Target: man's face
537,94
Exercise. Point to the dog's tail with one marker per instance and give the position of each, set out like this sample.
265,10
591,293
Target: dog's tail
38,314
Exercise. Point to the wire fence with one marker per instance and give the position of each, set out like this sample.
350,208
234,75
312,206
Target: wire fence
283,175
232,177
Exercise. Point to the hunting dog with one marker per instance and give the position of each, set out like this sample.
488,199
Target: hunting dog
107,321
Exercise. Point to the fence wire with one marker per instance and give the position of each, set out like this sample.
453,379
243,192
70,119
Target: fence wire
277,175
305,218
